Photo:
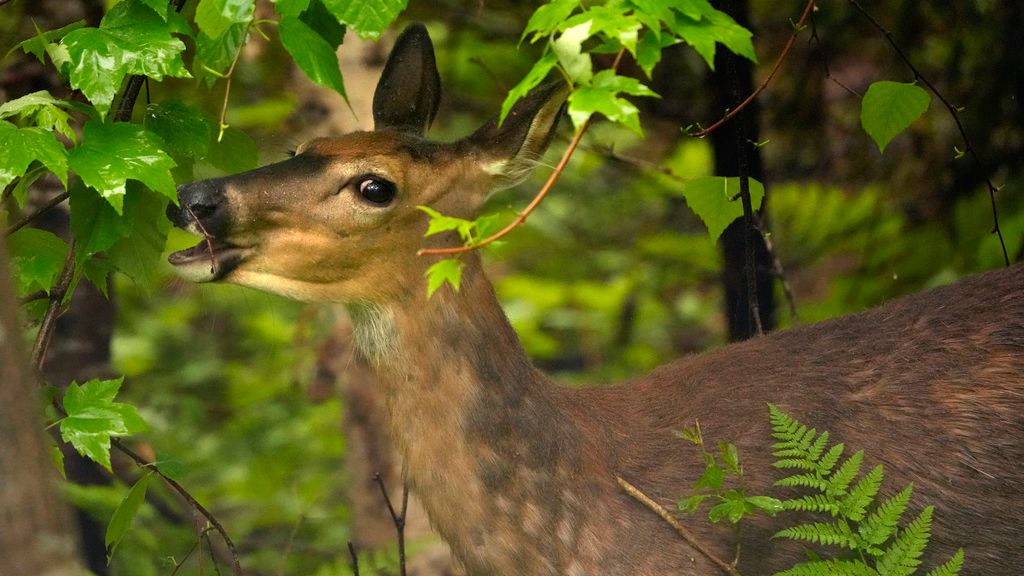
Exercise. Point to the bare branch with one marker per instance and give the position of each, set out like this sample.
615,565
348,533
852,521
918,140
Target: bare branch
686,535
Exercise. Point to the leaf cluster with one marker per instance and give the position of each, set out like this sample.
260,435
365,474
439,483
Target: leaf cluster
867,528
574,32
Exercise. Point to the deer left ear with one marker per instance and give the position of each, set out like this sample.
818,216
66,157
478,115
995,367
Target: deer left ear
409,90
510,152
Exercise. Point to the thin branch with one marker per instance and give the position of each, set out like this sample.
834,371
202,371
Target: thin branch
969,148
235,563
397,517
777,269
57,294
797,28
686,535
354,558
53,203
521,218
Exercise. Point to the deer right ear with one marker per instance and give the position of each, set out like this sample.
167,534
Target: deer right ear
409,90
510,152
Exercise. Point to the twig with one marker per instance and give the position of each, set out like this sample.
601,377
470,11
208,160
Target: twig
521,218
56,200
777,269
227,93
235,564
969,148
354,558
397,517
686,535
57,294
797,28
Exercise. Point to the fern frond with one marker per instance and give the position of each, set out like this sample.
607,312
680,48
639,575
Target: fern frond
812,481
836,533
903,556
829,568
842,477
950,568
854,506
815,449
881,524
812,503
797,463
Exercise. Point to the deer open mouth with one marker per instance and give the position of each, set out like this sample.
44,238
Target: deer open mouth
207,261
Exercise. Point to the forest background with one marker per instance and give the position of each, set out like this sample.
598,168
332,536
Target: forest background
612,276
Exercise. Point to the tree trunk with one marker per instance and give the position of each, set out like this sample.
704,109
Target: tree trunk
36,536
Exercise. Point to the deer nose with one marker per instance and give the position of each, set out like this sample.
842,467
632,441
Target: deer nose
201,201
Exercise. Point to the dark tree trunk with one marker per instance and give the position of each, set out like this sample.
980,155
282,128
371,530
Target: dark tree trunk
731,82
36,537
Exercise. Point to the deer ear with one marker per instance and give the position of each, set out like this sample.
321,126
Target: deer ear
409,90
511,151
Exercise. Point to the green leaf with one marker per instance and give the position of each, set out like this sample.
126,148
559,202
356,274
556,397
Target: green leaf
547,18
649,49
714,199
184,128
888,108
93,418
19,147
43,110
734,508
601,96
290,7
444,271
368,18
38,258
568,47
94,222
236,152
217,53
161,7
730,456
712,478
320,19
690,503
535,76
214,17
882,523
769,505
440,223
138,253
131,39
836,534
312,53
112,153
39,44
125,512
611,23
714,27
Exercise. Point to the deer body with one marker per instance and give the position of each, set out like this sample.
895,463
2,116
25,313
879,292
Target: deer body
518,474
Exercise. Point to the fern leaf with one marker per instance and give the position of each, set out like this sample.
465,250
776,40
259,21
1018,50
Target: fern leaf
828,461
881,524
836,533
903,556
854,506
815,449
798,463
812,503
829,568
952,567
812,481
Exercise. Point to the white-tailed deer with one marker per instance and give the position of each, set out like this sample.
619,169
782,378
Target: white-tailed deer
519,474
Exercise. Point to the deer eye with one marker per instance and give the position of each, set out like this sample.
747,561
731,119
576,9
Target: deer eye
377,190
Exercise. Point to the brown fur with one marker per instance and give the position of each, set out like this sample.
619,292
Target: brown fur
518,474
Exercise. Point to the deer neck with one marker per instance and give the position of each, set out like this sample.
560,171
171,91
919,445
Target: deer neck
484,438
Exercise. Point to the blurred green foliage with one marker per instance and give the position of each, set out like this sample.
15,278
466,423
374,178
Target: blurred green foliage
613,276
